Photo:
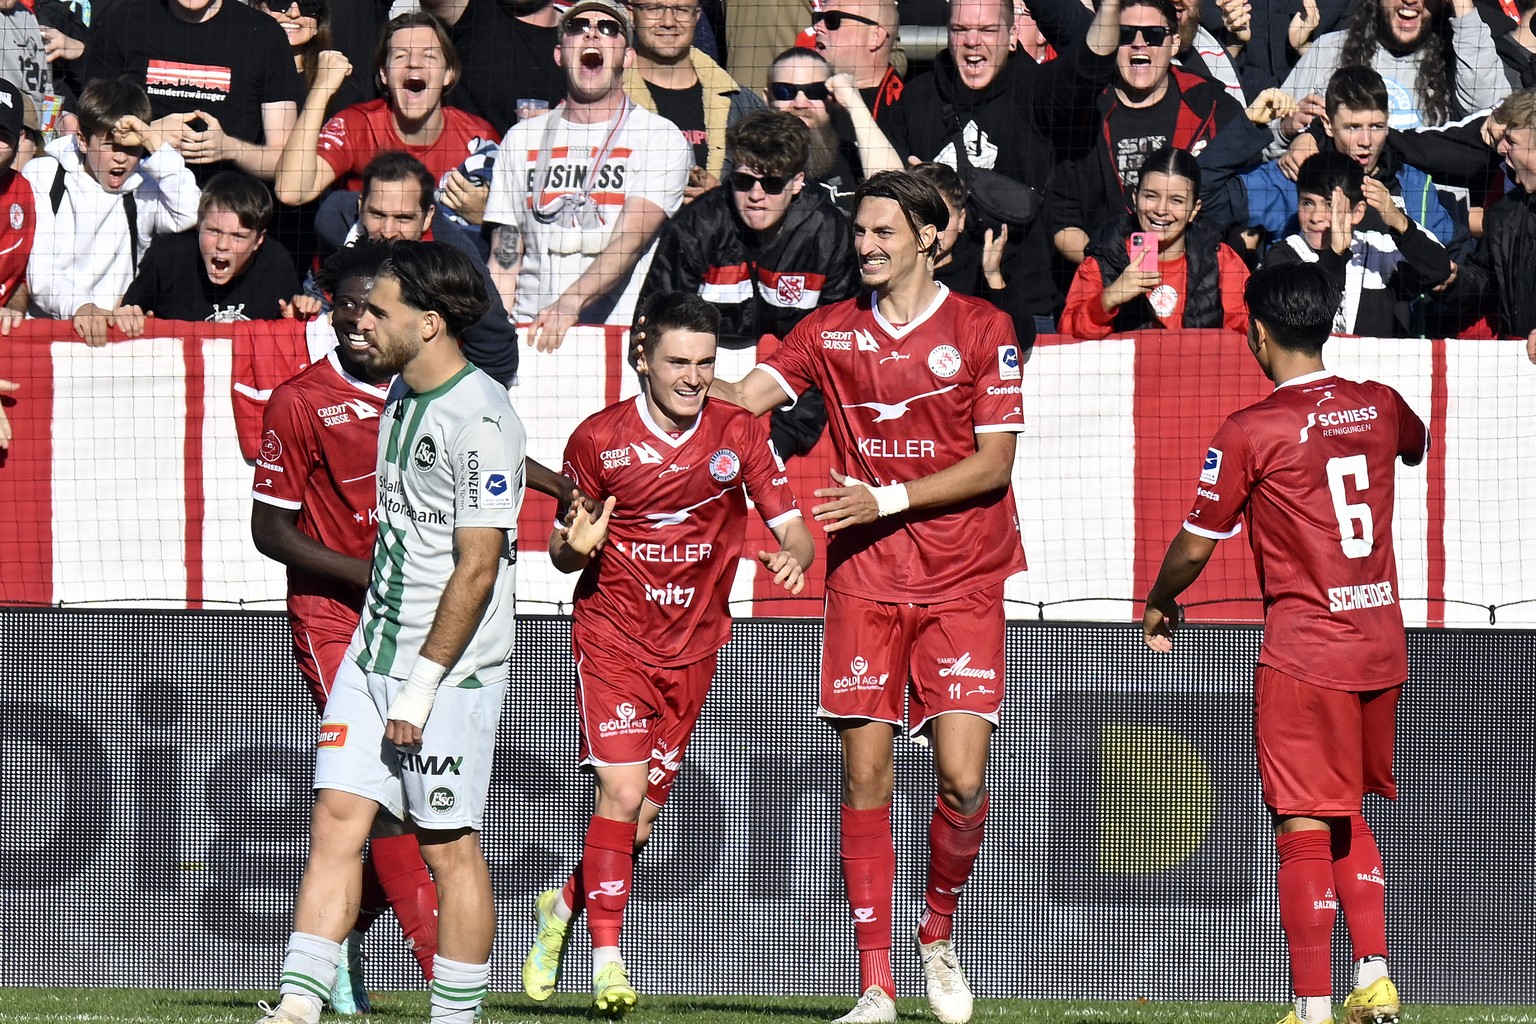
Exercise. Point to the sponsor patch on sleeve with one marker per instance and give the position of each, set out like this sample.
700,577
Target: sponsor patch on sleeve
332,734
1008,362
498,491
1211,470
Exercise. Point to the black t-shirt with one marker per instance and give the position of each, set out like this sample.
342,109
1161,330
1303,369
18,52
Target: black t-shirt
503,60
172,285
1135,133
228,66
685,108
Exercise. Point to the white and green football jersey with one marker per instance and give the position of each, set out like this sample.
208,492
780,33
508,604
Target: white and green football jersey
450,457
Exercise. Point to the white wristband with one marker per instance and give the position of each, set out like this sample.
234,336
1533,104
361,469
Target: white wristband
892,498
414,703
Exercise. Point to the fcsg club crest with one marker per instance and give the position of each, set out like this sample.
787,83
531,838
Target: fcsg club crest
724,465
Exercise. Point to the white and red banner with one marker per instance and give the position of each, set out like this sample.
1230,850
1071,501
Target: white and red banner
125,482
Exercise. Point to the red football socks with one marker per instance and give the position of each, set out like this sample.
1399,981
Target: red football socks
1307,909
1362,889
407,883
869,872
608,873
953,842
573,894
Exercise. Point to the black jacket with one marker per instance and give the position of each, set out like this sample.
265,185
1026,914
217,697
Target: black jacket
758,287
1500,278
490,342
1392,270
1206,121
964,276
1030,118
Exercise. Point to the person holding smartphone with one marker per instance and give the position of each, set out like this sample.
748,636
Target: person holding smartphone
1156,267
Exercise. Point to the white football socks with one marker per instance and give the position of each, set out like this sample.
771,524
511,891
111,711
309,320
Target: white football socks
309,972
1369,970
457,989
1314,1009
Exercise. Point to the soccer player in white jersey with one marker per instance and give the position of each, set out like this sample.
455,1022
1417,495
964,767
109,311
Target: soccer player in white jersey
673,471
411,721
922,393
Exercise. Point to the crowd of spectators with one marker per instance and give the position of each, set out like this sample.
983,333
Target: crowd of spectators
1110,164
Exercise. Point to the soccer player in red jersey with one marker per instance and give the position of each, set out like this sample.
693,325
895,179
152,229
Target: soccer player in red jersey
922,390
315,495
1310,469
673,471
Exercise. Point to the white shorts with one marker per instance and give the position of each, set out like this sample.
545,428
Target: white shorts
442,784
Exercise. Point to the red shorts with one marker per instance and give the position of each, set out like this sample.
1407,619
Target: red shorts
633,713
1321,750
951,653
318,647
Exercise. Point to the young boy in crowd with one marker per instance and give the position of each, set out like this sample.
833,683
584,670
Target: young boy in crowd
1380,257
116,185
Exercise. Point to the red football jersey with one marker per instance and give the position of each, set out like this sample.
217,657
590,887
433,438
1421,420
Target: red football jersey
1311,470
902,403
319,446
660,586
362,131
16,240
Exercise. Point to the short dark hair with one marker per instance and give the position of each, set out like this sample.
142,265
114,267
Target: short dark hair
814,56
240,194
918,198
437,277
1357,87
360,259
393,165
1174,162
674,311
106,101
944,178
1295,302
771,142
1323,172
1166,8
413,19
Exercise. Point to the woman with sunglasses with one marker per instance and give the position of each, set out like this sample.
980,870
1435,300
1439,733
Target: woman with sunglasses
1149,103
414,67
1156,269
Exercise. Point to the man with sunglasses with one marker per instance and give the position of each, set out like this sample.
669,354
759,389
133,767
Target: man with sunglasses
673,78
922,388
1020,119
764,251
1153,104
581,191
857,37
845,143
222,87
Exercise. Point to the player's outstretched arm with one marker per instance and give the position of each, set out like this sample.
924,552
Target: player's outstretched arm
1182,565
477,553
757,392
987,469
276,533
795,554
571,547
546,481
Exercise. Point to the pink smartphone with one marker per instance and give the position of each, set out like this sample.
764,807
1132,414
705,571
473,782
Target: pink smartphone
1142,241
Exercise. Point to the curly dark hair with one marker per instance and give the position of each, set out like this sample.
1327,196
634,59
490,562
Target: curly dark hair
1435,58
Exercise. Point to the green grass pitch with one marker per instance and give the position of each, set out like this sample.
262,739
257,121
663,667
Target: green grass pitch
138,1006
